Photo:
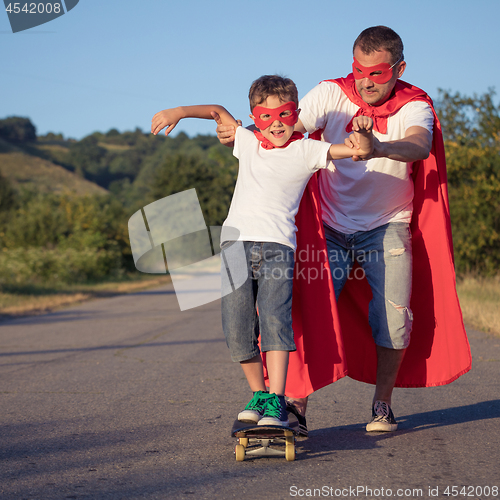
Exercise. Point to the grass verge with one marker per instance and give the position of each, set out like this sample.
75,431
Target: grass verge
479,297
27,299
480,301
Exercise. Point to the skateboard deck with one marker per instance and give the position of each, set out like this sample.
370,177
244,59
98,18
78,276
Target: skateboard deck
265,440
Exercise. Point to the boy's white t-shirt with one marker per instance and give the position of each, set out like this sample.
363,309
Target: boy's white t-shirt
269,188
360,196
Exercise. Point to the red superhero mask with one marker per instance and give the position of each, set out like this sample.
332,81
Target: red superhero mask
287,114
380,73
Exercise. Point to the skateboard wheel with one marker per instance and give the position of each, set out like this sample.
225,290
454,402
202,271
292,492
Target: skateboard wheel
290,452
243,442
239,452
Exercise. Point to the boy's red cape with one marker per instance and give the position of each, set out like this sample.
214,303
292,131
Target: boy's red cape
333,342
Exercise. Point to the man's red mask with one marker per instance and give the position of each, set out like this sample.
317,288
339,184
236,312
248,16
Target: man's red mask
380,73
287,114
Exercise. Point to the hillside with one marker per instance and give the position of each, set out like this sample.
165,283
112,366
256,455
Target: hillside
24,170
34,173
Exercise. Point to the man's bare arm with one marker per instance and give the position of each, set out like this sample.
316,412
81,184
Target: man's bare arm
415,145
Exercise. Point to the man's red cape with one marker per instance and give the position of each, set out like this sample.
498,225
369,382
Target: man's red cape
331,342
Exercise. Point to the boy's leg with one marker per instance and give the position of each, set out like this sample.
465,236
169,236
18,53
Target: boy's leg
275,285
275,410
277,367
254,373
240,321
241,329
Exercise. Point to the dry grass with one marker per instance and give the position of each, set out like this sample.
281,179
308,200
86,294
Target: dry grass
29,300
480,301
479,298
44,176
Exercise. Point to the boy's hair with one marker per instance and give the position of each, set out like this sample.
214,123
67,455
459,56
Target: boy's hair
272,85
380,38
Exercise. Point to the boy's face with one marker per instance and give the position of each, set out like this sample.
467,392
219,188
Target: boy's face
278,132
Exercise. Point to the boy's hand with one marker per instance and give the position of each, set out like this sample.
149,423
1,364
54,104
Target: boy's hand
362,139
362,124
167,118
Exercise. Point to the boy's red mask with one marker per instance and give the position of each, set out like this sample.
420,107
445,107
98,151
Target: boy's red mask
383,70
275,114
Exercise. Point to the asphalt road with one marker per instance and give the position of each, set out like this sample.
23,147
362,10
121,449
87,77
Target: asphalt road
128,397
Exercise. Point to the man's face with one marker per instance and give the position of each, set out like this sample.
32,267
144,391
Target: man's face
377,93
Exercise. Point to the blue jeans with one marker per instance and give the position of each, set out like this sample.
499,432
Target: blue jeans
385,257
268,288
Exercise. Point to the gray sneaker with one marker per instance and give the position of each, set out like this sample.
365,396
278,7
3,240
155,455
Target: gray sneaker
382,418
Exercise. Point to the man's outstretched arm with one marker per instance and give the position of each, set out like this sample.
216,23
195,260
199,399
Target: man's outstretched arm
415,145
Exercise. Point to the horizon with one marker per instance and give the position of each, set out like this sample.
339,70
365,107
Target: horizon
84,71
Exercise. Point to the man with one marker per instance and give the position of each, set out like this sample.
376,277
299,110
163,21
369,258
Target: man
386,223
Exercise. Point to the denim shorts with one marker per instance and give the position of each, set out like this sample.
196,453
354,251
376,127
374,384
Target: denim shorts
385,257
268,289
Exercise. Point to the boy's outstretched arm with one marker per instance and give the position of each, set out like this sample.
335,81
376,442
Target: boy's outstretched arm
360,142
169,118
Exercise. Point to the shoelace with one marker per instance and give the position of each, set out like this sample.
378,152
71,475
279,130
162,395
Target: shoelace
257,402
273,408
381,409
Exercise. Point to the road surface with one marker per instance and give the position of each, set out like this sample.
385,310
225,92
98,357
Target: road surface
128,397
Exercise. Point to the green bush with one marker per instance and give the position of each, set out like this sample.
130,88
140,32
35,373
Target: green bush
471,128
43,266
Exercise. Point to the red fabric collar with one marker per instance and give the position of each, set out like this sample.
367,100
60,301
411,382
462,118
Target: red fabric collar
267,144
403,93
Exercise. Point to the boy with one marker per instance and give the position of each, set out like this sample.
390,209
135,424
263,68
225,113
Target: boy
275,164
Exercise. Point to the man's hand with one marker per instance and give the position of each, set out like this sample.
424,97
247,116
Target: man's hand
362,138
225,133
415,145
167,118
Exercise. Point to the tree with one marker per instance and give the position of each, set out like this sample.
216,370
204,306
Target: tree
213,175
87,158
16,129
471,127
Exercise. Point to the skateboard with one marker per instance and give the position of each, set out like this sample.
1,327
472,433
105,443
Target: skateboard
256,440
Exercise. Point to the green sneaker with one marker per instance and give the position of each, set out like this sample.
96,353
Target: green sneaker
275,411
255,408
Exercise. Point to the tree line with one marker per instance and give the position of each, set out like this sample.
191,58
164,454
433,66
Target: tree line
64,238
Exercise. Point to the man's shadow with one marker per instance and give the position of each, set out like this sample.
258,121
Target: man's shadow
323,443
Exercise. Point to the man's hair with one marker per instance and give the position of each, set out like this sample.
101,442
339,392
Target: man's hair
272,85
380,38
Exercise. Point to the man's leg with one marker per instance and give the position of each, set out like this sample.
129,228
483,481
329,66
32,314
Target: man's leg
388,363
385,255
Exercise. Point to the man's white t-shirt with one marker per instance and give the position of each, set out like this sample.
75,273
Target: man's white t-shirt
269,187
360,196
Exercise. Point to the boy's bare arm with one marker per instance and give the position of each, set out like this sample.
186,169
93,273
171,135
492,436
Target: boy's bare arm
360,142
169,118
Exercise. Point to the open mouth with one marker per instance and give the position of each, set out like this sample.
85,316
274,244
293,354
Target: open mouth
278,134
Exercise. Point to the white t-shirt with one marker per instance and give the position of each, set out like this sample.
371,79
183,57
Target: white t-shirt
360,196
269,187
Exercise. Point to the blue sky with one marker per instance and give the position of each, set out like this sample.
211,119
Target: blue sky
114,63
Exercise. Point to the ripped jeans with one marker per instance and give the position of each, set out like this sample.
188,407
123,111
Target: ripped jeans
385,257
